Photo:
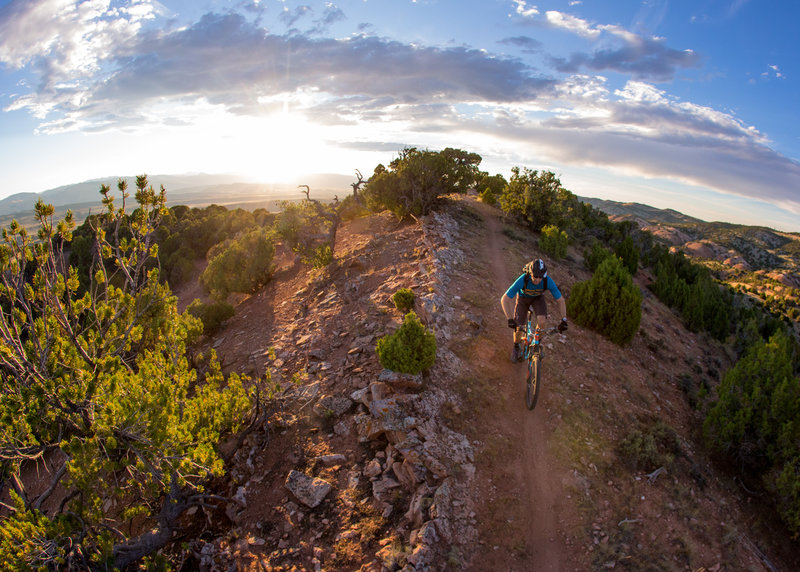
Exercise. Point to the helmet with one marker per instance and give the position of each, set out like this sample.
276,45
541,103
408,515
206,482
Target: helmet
537,268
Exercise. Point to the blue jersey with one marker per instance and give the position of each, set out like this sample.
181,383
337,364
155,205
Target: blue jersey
527,289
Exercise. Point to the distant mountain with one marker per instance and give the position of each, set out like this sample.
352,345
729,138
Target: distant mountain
190,190
641,212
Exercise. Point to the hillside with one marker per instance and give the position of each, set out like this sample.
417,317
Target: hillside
450,471
759,261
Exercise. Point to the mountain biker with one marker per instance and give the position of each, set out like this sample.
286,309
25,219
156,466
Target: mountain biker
527,292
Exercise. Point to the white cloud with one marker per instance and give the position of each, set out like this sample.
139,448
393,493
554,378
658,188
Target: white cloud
524,10
572,24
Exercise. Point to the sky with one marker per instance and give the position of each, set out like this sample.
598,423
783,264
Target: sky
686,104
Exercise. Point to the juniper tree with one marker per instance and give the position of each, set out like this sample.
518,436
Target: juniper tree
609,303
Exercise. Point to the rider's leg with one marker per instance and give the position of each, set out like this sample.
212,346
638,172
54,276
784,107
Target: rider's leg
521,317
540,309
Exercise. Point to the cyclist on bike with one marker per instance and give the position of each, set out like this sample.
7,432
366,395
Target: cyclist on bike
528,293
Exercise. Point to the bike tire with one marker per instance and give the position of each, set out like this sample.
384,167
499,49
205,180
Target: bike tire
532,384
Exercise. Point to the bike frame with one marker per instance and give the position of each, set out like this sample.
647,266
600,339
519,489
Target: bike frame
532,342
533,354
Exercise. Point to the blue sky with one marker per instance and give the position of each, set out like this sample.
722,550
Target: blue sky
684,104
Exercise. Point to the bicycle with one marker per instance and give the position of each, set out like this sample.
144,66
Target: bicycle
533,353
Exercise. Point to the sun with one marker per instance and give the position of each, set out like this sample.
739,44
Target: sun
281,148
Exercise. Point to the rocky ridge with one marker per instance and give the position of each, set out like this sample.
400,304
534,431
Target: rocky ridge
385,445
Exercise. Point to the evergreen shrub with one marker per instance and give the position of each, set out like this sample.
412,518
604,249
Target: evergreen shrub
240,265
411,349
649,449
212,315
628,253
595,255
320,257
487,196
403,299
609,303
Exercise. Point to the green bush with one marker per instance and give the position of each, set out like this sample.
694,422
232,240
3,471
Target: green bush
649,449
488,196
609,303
103,377
321,256
755,418
628,253
403,299
786,488
554,241
415,181
689,287
212,315
595,255
411,349
240,265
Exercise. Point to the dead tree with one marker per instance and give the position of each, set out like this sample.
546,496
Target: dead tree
357,184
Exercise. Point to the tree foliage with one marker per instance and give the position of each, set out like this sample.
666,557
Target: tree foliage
755,420
553,241
212,315
595,254
309,228
416,180
95,379
609,303
690,288
490,187
627,251
241,264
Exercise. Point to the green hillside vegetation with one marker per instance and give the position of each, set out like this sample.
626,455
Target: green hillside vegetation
93,357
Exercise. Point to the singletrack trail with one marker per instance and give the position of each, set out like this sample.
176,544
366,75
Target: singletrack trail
530,478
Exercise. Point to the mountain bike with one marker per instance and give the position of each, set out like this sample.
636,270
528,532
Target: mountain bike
533,353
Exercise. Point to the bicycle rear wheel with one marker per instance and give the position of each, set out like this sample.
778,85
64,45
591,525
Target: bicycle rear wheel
533,382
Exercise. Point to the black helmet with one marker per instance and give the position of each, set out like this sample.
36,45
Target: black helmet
537,268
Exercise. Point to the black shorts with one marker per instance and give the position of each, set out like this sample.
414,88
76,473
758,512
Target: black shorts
524,303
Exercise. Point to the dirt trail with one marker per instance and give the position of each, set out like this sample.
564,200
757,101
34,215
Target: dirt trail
529,463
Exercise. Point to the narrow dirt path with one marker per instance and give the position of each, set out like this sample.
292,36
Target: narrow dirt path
538,496
528,474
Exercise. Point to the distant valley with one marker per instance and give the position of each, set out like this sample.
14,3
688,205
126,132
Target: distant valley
194,190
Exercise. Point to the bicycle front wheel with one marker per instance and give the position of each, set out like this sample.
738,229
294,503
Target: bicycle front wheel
533,382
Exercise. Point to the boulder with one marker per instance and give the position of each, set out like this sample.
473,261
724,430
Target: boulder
332,405
310,491
401,381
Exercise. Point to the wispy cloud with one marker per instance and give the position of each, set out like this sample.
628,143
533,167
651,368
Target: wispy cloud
621,51
527,44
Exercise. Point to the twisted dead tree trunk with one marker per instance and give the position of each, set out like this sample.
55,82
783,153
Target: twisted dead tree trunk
357,185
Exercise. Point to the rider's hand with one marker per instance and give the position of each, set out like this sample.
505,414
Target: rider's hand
563,325
512,323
